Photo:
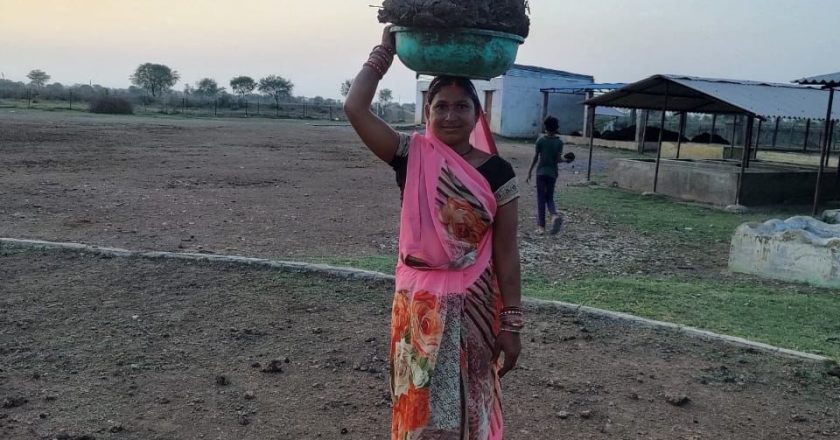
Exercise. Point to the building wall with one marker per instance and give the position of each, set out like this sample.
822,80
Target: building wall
523,103
568,109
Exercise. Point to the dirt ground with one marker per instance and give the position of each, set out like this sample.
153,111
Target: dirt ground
135,349
263,188
123,348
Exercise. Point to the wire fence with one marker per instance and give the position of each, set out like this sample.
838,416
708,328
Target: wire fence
784,135
204,107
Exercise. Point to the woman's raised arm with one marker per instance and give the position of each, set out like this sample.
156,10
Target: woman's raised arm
379,137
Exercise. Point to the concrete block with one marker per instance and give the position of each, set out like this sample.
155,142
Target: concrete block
716,181
831,216
798,249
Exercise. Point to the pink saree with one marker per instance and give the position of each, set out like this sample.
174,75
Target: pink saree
444,382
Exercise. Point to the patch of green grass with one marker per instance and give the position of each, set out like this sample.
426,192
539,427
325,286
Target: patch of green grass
788,317
659,216
377,263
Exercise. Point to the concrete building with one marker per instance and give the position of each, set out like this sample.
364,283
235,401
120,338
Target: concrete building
514,103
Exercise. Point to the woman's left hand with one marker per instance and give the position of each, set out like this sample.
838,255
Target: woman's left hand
508,343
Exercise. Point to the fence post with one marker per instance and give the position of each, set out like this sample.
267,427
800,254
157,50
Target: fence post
215,106
71,99
29,93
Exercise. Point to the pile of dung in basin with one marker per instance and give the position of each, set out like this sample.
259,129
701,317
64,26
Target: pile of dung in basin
509,16
476,39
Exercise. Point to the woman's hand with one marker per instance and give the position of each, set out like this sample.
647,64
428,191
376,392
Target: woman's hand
388,39
508,343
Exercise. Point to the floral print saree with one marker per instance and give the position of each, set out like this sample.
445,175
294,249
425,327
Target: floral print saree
444,380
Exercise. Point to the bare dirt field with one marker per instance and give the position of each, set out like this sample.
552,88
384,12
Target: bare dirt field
135,349
96,347
263,188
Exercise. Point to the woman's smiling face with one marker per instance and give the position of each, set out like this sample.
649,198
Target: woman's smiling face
452,116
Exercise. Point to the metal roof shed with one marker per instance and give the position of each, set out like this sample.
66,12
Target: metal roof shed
716,96
829,81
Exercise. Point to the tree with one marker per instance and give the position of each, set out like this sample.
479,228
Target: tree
155,78
345,87
277,87
386,96
207,87
243,85
38,78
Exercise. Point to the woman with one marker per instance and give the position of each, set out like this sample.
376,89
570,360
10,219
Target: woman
548,154
457,301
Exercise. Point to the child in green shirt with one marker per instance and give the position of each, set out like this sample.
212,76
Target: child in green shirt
549,153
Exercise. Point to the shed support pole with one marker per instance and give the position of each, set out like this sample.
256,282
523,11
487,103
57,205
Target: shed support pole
661,133
683,117
645,120
757,139
807,134
591,124
829,133
714,123
745,163
823,152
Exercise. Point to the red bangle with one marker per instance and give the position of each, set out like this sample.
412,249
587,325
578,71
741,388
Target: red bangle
383,57
390,50
375,68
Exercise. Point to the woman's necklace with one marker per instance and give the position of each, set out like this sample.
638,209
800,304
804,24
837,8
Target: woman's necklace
466,152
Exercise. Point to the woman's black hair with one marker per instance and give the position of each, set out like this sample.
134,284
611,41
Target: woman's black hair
551,124
463,83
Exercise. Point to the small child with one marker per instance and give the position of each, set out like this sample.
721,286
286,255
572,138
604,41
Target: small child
549,153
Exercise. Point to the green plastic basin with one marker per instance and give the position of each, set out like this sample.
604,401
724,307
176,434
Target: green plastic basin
473,53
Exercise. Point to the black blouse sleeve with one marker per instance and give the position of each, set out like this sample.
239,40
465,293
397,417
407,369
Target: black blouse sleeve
499,173
400,161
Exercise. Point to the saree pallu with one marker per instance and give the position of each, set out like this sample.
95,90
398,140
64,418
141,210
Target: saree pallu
444,381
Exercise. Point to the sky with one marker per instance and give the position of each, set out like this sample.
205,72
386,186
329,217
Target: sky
319,43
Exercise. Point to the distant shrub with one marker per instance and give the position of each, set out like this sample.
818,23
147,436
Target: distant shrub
111,105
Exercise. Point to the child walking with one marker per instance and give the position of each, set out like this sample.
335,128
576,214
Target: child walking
548,154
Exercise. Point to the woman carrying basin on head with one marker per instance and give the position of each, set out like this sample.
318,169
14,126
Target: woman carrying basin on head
457,300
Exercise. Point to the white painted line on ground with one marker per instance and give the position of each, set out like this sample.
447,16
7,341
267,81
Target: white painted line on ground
366,275
292,266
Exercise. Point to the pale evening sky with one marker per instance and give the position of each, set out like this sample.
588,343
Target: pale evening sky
319,43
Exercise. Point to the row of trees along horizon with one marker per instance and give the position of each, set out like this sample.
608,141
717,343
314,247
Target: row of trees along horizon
152,85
